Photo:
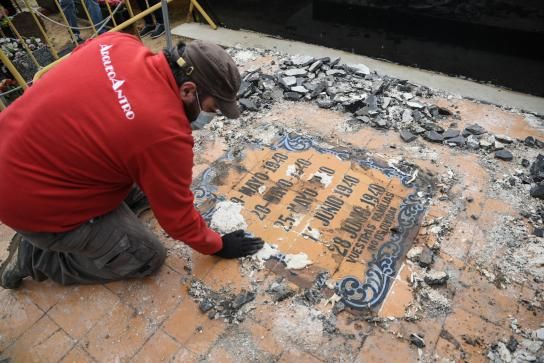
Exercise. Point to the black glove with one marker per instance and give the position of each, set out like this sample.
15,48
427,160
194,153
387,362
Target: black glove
237,244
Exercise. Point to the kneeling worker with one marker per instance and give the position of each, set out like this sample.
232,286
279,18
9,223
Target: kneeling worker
99,138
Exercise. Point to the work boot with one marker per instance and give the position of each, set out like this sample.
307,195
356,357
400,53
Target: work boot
140,206
146,30
11,275
159,30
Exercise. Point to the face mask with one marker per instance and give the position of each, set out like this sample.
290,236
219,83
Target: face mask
203,118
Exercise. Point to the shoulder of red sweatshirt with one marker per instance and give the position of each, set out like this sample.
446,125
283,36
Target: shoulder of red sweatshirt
108,116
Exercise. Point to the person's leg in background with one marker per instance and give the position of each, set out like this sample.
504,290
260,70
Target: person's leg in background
112,247
69,10
159,29
96,14
149,24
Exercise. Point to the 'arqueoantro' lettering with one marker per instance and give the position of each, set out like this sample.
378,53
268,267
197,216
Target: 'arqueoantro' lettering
116,84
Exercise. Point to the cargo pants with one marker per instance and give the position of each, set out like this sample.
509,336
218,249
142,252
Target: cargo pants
111,247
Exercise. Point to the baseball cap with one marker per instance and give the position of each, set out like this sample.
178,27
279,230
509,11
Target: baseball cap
214,70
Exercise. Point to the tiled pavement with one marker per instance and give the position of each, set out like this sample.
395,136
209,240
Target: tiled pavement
155,319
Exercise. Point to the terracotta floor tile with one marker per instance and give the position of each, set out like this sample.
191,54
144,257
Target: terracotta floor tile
202,264
82,307
159,348
227,273
484,299
338,349
384,347
461,327
77,355
118,336
247,342
203,339
399,297
184,321
154,297
44,342
46,293
293,355
17,314
262,337
220,354
184,355
460,240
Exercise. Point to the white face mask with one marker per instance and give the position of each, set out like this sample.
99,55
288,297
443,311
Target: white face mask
204,117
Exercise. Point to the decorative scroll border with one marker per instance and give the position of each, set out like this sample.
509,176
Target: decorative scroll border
381,270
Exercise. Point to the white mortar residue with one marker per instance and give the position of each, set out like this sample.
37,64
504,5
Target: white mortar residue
292,262
228,218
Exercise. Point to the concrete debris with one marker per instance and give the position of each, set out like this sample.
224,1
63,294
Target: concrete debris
280,291
434,277
222,304
475,129
504,155
417,340
407,136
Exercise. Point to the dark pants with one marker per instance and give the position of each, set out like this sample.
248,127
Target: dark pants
111,247
158,13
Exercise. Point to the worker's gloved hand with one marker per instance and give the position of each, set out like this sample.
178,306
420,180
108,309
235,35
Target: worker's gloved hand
238,244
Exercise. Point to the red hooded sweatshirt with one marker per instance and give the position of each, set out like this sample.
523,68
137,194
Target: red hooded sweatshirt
107,117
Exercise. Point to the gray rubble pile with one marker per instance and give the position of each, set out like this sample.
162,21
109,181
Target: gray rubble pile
371,99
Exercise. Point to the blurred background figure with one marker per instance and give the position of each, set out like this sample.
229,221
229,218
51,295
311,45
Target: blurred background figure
155,28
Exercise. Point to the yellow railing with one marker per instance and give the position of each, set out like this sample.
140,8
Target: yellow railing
55,54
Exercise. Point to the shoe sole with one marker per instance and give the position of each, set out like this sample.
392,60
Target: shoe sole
12,249
145,35
156,36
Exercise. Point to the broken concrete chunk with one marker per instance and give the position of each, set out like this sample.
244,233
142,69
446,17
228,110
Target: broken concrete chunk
456,141
246,89
414,253
537,191
334,62
433,136
437,111
359,69
205,305
336,72
315,66
324,103
537,168
407,136
295,72
288,81
539,334
434,277
473,142
475,129
504,155
243,298
381,123
498,145
385,102
504,139
415,105
418,129
485,144
302,60
248,104
292,96
426,258
417,340
299,89
407,116
529,141
451,133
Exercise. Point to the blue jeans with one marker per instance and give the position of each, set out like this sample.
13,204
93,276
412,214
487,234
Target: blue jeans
69,9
